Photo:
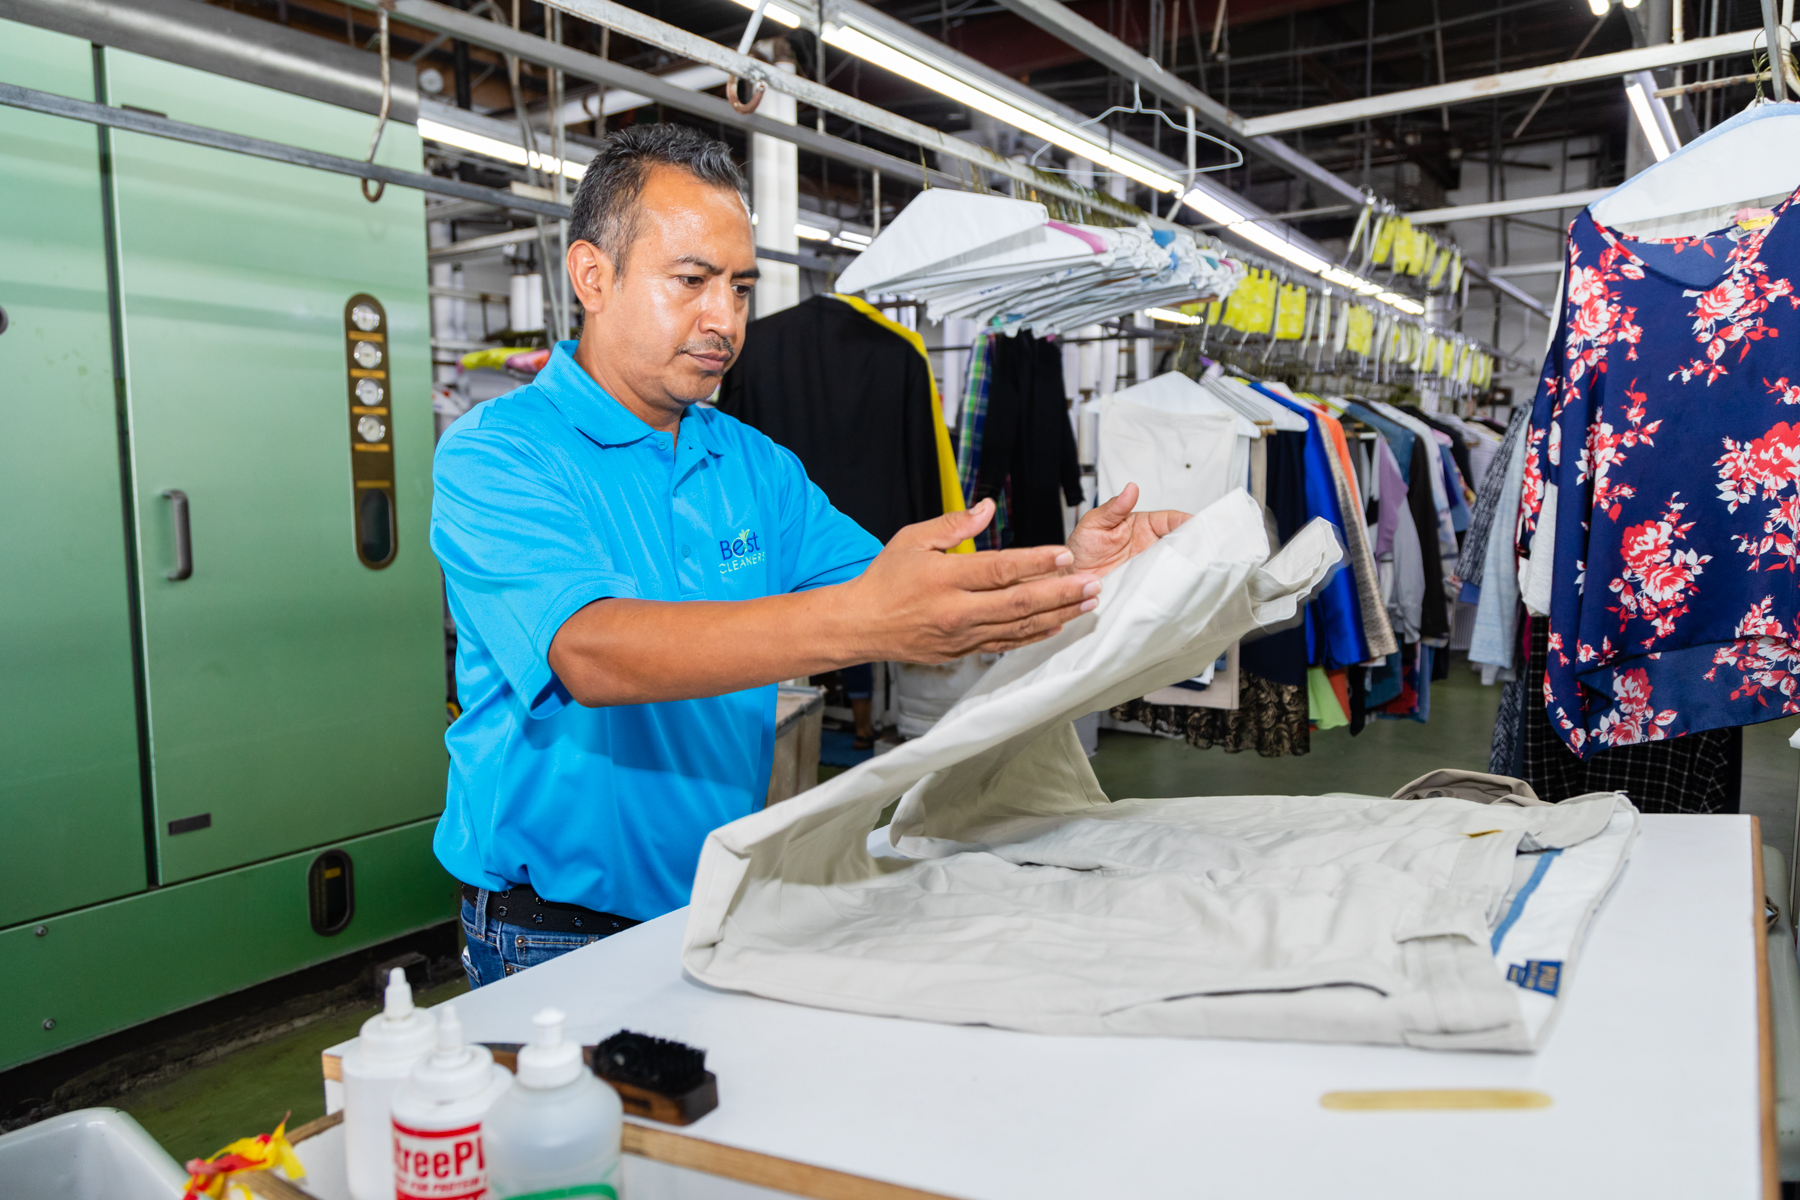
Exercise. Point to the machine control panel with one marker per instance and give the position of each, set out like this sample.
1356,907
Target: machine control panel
371,430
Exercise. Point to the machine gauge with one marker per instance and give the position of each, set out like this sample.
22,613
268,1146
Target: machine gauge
368,391
365,318
371,428
368,355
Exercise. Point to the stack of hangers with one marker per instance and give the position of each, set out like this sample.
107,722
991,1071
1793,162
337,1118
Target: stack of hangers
1005,262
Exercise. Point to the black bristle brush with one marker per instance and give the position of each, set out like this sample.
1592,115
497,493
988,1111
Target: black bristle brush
657,1078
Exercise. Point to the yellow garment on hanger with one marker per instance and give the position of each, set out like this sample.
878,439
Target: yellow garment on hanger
1290,324
1456,271
1361,331
949,482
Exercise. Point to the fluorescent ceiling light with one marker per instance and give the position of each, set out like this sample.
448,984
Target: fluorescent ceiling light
908,66
850,235
1171,316
1599,7
1651,116
1401,302
776,12
811,234
477,143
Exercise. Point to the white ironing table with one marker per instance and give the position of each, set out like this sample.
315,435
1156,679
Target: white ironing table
1659,1070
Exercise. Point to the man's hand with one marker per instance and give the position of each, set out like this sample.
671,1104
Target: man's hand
913,604
1109,535
919,604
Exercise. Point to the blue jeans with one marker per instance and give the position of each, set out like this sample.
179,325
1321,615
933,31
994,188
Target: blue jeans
496,949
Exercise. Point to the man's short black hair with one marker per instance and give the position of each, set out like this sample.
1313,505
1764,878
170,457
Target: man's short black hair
605,209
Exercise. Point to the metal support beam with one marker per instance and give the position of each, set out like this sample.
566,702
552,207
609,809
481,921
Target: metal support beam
1055,17
133,121
1486,87
1505,208
503,39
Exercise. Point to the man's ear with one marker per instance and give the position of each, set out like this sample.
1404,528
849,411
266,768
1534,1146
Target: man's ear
591,274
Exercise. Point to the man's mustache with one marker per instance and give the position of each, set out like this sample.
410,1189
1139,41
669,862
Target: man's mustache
716,345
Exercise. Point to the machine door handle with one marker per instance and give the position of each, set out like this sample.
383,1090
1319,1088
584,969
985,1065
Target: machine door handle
184,538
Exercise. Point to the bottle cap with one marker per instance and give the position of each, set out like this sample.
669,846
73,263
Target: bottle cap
548,1060
455,1070
400,1032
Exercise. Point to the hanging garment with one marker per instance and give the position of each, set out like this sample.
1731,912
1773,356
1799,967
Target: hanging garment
1183,461
1698,773
949,485
852,400
1270,718
1471,563
1334,621
1666,425
1012,893
969,429
1497,613
1027,444
1378,632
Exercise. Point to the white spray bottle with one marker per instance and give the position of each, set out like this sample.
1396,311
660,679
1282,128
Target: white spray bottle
438,1114
557,1131
374,1067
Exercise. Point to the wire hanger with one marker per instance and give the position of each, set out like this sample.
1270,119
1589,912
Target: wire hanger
1137,109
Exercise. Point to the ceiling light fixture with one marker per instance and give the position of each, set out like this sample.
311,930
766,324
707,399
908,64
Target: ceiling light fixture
477,143
1652,116
905,64
1171,316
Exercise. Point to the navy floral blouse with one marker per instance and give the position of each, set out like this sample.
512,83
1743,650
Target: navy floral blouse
1662,481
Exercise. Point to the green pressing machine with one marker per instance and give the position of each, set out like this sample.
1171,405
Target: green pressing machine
221,655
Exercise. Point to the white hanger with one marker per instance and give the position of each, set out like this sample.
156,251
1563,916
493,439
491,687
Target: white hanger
1755,156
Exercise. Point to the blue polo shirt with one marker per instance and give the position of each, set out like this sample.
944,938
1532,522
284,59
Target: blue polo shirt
547,499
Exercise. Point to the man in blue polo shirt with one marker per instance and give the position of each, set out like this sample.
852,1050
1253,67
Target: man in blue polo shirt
631,574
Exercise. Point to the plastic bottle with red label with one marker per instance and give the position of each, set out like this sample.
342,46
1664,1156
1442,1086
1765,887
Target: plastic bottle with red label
438,1112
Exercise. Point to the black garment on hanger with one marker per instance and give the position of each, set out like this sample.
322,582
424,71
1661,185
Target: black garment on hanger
1694,773
1434,616
1026,439
852,400
1459,445
1281,657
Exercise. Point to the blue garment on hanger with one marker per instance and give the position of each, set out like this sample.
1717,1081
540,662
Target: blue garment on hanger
1667,422
1338,611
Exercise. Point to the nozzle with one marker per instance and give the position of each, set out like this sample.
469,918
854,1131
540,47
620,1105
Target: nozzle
449,1030
548,1026
399,998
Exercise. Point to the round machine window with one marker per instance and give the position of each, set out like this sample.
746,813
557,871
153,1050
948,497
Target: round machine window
367,354
368,391
365,318
372,429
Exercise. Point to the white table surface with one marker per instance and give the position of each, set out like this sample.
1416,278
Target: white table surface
1653,1068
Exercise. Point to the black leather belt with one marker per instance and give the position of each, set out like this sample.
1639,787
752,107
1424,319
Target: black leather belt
520,905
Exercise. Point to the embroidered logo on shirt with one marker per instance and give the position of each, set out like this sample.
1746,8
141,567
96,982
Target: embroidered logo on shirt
1536,976
739,552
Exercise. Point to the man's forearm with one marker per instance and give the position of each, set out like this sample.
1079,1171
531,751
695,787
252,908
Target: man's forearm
645,651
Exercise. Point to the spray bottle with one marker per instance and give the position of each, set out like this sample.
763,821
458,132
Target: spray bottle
557,1131
374,1067
438,1112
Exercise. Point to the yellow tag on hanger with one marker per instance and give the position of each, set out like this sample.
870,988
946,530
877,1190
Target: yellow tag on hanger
1361,331
1456,271
1439,267
1384,240
1290,324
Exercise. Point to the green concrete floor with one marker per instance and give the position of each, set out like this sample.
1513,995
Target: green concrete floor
248,1091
